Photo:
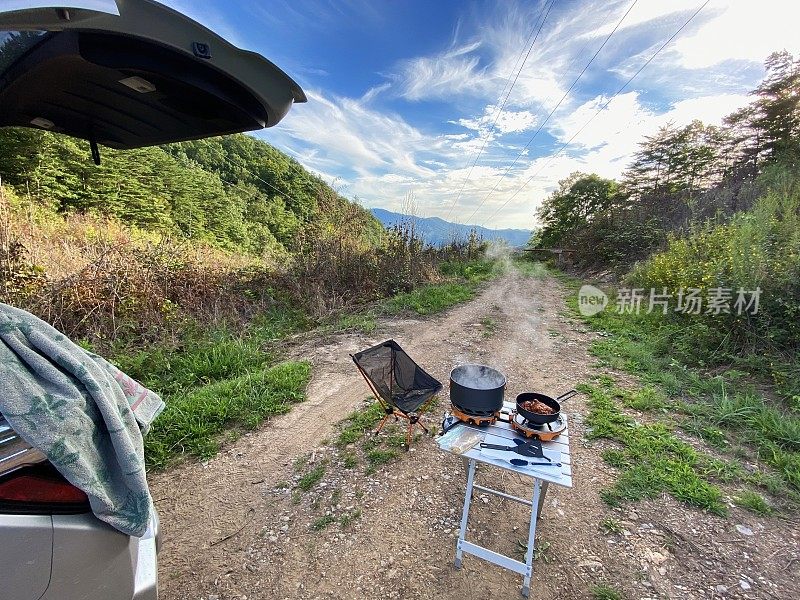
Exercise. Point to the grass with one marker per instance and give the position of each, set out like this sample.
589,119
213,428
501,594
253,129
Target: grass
365,322
489,326
530,268
376,450
718,408
347,519
312,478
322,522
193,421
224,380
651,459
431,299
610,526
377,456
603,591
204,357
753,502
358,423
464,278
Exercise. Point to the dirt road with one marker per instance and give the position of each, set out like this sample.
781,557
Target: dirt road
233,529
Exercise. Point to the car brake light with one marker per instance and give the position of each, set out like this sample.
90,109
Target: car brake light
29,484
40,488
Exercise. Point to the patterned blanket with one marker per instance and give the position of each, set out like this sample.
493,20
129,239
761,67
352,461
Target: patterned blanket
82,412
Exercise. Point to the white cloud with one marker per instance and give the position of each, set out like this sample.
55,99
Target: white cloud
508,121
741,30
383,156
445,76
348,133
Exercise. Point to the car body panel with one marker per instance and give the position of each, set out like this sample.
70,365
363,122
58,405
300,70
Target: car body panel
94,561
78,8
26,550
69,556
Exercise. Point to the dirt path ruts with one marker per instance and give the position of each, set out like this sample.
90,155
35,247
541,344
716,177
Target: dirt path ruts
403,544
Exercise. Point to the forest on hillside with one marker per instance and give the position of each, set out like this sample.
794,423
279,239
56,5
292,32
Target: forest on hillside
157,243
714,209
681,176
235,192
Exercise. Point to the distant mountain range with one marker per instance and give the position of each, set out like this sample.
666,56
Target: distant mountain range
437,231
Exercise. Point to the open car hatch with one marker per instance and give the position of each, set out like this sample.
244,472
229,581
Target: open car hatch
131,73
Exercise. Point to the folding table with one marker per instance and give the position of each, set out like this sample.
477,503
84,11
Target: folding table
541,477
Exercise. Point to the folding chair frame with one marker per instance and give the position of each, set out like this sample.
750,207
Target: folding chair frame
414,418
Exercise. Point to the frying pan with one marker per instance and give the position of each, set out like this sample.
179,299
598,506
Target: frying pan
536,418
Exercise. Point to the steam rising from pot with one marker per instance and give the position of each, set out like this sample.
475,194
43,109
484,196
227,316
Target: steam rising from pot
478,377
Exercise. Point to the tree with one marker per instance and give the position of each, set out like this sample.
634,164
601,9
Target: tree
573,205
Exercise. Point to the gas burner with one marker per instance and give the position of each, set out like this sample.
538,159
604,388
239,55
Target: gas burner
455,416
545,433
474,419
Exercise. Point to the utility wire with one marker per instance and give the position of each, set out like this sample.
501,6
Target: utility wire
555,108
601,109
502,107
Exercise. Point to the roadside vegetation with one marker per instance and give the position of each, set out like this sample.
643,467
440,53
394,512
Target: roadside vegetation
714,418
360,447
746,447
192,265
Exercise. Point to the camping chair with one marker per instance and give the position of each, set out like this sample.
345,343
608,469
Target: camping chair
401,386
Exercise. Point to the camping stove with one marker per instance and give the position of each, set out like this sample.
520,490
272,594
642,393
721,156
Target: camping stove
545,433
457,415
474,418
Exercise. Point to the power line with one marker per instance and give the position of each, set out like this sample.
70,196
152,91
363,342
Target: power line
505,100
555,108
601,109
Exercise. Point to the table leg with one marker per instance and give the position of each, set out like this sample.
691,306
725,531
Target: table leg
526,583
465,514
545,485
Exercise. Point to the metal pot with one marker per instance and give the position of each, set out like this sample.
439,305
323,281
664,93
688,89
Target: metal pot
536,418
477,389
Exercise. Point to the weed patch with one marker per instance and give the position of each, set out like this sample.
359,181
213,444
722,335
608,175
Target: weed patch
322,522
348,518
753,502
652,459
610,526
311,478
603,591
652,348
431,299
358,423
192,422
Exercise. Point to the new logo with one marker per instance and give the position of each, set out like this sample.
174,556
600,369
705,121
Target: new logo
591,300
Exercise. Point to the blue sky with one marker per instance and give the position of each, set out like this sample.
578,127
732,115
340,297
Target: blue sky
403,94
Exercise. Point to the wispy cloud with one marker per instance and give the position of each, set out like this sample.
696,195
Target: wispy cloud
383,142
508,121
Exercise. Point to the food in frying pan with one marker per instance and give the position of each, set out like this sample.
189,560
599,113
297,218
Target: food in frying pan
537,407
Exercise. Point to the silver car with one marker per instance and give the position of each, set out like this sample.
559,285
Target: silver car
51,545
124,74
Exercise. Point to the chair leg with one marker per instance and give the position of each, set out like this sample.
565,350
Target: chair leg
382,423
421,424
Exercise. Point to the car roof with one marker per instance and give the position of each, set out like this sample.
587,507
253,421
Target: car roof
131,73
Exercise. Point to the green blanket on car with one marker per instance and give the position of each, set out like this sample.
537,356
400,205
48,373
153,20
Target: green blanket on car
82,412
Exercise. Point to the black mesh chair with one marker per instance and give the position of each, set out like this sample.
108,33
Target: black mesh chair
402,387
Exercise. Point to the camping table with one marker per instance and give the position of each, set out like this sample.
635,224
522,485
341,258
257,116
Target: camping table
541,477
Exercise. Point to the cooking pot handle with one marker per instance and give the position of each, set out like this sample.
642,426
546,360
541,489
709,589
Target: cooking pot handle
566,395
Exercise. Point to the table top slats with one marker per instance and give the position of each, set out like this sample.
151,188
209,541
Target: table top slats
559,476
